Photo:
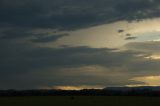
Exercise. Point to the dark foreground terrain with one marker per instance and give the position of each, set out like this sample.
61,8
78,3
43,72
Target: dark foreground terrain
80,101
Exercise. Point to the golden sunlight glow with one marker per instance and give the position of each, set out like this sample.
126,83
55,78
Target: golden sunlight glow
104,35
154,57
76,87
147,80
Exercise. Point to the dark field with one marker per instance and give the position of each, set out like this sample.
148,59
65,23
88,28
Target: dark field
80,101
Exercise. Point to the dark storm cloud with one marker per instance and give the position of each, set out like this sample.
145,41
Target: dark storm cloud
21,17
15,33
46,39
20,57
130,38
23,63
21,33
71,14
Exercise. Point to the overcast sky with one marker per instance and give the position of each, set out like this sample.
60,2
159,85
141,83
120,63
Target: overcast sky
74,44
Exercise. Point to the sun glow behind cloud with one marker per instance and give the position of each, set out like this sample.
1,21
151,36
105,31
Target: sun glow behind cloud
77,87
154,57
107,36
147,80
104,35
73,45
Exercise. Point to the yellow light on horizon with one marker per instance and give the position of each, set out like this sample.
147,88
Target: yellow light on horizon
147,80
76,87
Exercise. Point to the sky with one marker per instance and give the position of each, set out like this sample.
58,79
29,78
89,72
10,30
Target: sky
79,44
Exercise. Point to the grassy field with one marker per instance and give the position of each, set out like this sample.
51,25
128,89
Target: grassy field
80,101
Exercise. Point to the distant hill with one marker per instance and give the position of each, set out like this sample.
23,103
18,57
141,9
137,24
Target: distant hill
108,91
151,88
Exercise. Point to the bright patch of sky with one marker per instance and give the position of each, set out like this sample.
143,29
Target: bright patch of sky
108,35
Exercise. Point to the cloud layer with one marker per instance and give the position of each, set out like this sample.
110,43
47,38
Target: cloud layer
36,67
73,14
24,24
